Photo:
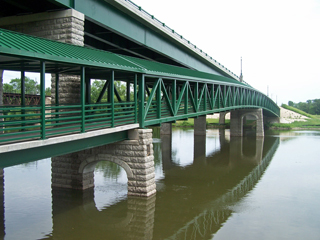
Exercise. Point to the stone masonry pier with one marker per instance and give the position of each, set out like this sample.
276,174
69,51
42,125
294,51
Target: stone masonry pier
135,156
237,118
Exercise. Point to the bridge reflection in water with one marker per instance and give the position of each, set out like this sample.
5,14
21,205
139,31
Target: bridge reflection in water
193,199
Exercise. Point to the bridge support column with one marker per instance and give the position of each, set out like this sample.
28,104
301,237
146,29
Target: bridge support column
166,129
63,26
200,125
222,118
236,121
76,170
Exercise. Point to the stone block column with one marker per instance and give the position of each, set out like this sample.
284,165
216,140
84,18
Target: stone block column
135,156
236,121
236,124
64,26
222,118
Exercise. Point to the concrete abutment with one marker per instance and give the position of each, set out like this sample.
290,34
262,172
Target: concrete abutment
135,156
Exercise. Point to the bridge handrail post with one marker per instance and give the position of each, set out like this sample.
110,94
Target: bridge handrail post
82,100
141,98
135,99
57,81
43,99
23,98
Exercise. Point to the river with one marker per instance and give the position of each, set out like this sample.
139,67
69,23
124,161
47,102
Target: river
212,187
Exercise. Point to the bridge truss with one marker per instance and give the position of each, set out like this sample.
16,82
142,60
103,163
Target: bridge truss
155,92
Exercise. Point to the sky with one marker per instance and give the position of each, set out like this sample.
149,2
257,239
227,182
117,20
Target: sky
278,40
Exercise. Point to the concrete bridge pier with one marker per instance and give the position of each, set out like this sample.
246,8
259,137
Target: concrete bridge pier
200,127
166,129
222,118
237,119
135,156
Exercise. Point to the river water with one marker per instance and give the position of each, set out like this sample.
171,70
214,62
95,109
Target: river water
212,187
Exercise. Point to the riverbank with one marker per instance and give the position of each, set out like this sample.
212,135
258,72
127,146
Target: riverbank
295,119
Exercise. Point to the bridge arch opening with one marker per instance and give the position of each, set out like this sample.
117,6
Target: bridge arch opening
249,124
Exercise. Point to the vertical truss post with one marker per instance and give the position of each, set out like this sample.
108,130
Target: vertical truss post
82,98
111,96
57,94
196,95
135,99
158,98
88,90
186,100
212,96
23,97
128,91
174,95
141,99
225,99
205,97
43,99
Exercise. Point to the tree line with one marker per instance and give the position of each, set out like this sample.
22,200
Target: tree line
31,87
310,106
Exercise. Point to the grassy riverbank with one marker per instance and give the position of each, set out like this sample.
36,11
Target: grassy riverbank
211,123
312,122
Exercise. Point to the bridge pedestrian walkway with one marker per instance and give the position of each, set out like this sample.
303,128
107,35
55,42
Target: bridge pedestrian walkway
155,92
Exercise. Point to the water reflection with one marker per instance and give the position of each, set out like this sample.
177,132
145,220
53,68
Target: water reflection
199,179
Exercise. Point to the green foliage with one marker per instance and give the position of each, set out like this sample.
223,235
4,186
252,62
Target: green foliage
296,110
310,106
7,88
185,123
31,87
48,91
97,86
211,122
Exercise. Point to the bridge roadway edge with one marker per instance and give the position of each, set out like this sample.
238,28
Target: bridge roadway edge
18,153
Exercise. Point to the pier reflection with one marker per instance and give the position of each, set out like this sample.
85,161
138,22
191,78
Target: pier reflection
75,216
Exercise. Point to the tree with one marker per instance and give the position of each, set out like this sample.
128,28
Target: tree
31,86
48,91
97,86
7,88
290,103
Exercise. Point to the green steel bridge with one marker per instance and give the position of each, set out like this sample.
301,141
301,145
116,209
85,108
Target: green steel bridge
155,93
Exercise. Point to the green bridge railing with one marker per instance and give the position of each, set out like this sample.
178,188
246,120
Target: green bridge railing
155,100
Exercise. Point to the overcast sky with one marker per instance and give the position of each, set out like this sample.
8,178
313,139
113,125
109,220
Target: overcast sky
278,40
